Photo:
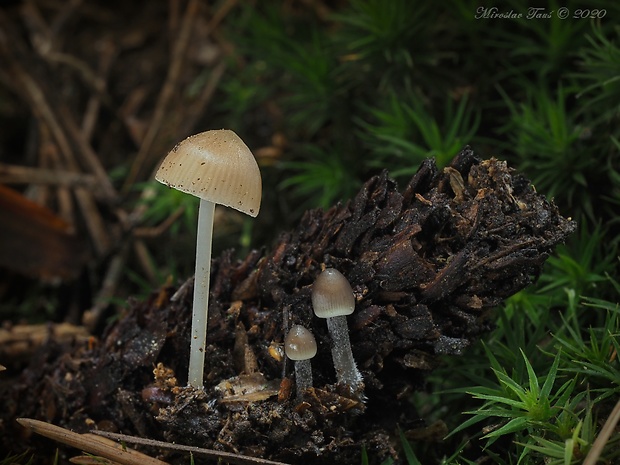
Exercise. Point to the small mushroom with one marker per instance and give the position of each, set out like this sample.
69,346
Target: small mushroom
300,346
333,299
217,167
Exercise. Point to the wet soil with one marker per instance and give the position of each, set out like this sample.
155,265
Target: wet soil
427,265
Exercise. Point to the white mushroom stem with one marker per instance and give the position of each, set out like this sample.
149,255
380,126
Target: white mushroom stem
200,309
217,167
342,355
303,376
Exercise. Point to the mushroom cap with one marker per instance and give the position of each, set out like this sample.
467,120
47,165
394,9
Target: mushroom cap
216,166
299,343
332,295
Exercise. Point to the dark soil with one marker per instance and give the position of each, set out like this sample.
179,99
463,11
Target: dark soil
428,265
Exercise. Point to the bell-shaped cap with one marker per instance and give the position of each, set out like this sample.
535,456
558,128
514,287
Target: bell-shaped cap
216,166
299,343
332,295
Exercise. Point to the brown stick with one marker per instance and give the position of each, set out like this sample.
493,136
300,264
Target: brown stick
16,174
89,443
21,341
144,156
43,110
51,159
221,13
87,154
603,437
144,259
235,459
92,317
106,56
162,227
93,80
205,96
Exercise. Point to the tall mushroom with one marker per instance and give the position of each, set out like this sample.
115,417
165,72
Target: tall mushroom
300,346
333,299
217,167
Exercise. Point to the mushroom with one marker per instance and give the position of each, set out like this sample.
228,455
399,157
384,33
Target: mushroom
300,346
333,299
217,167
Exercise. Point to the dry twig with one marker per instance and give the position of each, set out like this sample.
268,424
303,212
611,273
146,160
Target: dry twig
17,174
142,159
35,95
603,437
234,459
20,341
90,443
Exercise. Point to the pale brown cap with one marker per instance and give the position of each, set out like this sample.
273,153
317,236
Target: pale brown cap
299,343
216,166
332,295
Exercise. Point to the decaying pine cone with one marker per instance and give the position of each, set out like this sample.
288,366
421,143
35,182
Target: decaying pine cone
427,265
